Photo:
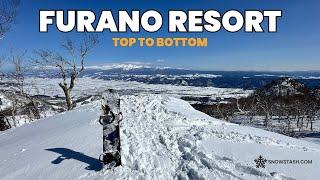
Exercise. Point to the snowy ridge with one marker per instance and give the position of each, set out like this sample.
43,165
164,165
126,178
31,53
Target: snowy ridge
125,66
130,66
161,138
116,66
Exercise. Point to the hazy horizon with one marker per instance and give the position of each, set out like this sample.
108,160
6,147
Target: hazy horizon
295,47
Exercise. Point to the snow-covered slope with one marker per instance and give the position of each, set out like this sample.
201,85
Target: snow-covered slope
161,138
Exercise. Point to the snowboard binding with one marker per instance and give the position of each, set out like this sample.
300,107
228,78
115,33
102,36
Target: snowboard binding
107,119
112,159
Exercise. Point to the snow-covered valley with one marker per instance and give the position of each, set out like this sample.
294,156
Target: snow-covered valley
87,86
161,138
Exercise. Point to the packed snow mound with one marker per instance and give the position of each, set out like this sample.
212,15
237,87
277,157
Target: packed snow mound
161,138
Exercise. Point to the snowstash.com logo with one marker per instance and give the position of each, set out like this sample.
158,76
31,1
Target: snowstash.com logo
261,161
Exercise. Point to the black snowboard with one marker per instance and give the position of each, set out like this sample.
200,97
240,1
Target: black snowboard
110,119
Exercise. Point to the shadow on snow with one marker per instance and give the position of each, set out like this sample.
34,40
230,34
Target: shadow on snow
93,163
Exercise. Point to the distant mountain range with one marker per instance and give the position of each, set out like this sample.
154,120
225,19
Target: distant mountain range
166,75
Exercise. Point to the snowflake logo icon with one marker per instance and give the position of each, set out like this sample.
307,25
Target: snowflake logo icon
260,162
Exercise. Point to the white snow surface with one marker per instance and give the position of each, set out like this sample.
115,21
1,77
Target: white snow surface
161,138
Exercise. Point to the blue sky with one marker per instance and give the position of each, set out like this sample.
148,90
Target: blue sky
296,45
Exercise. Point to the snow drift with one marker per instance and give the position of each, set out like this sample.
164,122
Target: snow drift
161,138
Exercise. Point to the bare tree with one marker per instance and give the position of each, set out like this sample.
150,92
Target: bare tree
4,123
69,66
2,59
8,11
18,60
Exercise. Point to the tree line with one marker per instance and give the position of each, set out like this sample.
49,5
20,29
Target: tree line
288,110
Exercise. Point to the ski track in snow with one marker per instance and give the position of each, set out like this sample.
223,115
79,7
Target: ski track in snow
174,146
160,141
161,138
